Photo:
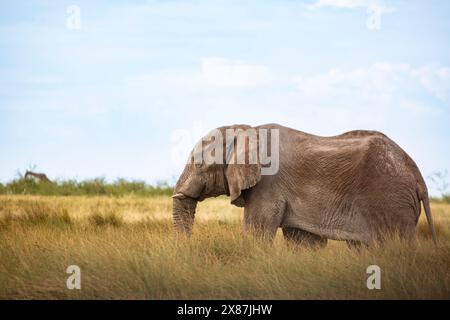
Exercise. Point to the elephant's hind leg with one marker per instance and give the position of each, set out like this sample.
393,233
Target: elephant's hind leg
302,237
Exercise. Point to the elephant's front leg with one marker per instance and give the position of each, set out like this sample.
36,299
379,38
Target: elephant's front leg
263,218
302,237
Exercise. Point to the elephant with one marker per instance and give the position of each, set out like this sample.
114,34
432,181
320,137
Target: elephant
358,187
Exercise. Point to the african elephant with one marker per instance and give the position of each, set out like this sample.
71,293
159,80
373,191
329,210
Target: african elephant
358,186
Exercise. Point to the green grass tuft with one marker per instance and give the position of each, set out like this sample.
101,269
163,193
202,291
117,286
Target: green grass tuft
92,187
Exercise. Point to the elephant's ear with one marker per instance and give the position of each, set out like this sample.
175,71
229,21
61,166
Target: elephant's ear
243,170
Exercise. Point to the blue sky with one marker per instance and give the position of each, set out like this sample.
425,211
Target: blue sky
129,92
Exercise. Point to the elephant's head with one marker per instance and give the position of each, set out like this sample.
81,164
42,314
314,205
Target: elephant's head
214,168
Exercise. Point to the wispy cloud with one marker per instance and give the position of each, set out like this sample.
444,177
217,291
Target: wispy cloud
350,4
379,79
374,9
232,73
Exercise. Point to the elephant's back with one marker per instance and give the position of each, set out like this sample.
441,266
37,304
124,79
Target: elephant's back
359,134
358,155
356,182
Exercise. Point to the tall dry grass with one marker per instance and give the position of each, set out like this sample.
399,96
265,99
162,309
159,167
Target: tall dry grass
126,249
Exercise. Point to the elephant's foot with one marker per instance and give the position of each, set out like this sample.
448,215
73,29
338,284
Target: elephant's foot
302,237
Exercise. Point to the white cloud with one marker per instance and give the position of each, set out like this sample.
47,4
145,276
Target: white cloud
374,9
212,72
435,80
351,4
378,80
222,72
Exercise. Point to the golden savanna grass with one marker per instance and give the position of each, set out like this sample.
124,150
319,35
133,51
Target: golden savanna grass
126,250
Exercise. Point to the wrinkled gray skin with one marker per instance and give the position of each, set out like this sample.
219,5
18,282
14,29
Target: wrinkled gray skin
358,186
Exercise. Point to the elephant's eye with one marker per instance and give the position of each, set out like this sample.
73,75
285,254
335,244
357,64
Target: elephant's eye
198,165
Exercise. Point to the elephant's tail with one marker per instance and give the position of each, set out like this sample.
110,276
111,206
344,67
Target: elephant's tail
426,205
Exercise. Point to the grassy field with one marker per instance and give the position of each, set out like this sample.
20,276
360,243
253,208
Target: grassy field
126,250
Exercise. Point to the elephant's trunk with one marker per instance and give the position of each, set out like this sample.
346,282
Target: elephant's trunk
183,215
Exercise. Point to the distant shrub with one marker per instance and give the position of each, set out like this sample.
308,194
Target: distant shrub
109,219
91,187
440,182
446,198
